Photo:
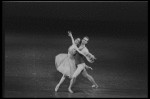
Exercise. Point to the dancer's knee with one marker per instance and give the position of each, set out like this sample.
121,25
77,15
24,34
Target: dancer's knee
87,76
81,66
84,74
73,77
75,74
64,76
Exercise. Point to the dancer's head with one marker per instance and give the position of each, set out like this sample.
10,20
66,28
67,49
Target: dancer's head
77,41
85,40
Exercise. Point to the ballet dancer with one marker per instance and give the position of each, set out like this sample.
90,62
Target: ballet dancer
65,63
81,66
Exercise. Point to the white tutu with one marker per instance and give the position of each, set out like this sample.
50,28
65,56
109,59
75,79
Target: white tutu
65,63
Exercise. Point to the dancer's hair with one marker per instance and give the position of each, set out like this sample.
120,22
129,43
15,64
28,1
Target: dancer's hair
86,37
79,41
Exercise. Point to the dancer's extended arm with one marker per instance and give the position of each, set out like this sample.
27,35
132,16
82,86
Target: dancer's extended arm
80,51
70,34
88,55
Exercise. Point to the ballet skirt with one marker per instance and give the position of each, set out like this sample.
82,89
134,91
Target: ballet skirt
65,63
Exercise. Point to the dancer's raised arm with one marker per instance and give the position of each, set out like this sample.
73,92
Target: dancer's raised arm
70,34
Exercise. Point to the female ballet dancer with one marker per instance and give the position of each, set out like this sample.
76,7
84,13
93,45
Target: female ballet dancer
65,63
81,65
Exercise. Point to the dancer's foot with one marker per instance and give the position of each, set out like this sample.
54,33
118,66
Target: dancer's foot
56,88
70,90
96,86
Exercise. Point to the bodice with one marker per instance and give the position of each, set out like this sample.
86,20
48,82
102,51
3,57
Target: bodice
72,50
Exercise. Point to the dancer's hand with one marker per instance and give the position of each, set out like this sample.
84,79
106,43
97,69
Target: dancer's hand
69,33
92,56
88,67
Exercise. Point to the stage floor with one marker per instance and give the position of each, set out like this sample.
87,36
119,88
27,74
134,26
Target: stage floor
35,87
120,69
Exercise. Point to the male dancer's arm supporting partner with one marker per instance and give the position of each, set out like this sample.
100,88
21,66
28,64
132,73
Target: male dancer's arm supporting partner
87,55
73,42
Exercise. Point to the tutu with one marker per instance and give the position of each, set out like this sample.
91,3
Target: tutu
65,64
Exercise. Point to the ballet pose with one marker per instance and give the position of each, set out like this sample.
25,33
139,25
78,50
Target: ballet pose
65,63
81,66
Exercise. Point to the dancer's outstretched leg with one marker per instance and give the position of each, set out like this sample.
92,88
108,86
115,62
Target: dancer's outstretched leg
76,73
60,82
85,74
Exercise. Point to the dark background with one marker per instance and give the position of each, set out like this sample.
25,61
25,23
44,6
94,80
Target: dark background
35,32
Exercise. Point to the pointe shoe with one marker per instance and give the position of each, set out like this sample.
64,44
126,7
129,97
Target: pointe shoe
70,90
56,88
93,86
96,86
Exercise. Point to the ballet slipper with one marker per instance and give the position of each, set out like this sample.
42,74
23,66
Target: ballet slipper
96,86
70,90
56,88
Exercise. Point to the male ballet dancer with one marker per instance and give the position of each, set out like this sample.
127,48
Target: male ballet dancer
81,66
